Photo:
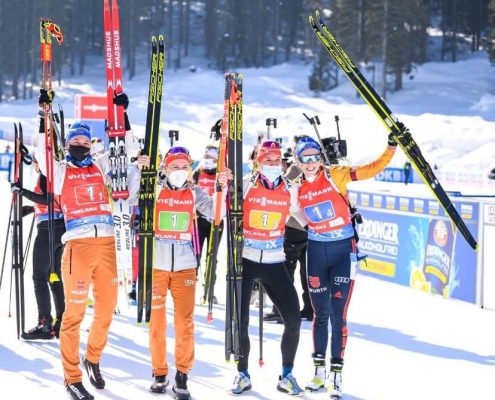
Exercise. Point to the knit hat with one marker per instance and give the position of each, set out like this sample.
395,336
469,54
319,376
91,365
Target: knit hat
305,144
177,153
79,129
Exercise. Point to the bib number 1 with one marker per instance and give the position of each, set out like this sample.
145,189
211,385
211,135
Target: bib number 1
320,212
87,194
173,221
264,220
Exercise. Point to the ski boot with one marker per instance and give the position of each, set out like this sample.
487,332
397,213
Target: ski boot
44,330
242,382
160,384
289,385
180,388
78,392
94,374
335,382
318,381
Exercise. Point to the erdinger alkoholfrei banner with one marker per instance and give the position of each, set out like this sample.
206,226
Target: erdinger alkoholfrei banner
410,241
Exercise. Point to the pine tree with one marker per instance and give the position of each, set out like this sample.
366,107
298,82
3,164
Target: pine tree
324,76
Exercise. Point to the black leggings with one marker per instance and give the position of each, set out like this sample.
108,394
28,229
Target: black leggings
41,272
277,283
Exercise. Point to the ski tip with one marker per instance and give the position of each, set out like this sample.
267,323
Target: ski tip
317,13
161,38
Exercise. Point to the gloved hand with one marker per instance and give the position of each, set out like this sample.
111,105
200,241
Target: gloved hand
391,140
46,97
16,188
121,100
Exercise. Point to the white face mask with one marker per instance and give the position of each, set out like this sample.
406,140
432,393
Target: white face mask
208,163
178,178
271,172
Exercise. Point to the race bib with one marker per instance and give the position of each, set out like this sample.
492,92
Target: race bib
264,220
88,194
320,212
173,221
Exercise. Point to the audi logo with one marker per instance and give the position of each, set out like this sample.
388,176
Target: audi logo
341,279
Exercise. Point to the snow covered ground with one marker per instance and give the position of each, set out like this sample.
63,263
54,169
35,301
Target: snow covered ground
403,344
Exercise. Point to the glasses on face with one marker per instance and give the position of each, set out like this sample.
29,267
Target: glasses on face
270,144
313,157
178,150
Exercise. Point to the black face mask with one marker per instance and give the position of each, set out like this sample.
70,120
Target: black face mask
78,153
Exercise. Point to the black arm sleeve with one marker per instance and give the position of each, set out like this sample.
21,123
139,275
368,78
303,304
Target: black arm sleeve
39,198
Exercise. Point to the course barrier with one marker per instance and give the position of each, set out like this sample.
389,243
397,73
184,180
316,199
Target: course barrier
409,240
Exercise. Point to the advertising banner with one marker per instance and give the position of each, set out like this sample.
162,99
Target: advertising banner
488,251
90,107
395,175
6,160
411,241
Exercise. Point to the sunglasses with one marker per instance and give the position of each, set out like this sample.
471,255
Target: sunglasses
270,144
313,157
178,150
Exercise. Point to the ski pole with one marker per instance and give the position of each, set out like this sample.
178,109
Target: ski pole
6,244
261,305
269,123
173,135
10,292
28,243
196,247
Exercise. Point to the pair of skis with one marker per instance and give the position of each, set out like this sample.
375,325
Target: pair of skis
230,155
54,140
147,194
231,152
215,233
117,158
400,132
21,157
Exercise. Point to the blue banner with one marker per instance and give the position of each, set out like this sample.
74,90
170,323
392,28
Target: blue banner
411,241
6,159
395,175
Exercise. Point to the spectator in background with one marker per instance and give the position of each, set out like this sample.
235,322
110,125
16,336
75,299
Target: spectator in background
407,171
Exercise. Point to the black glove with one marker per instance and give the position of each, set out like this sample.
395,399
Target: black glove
391,140
16,188
121,100
46,97
26,210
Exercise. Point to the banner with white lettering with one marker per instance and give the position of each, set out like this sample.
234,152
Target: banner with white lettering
410,241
